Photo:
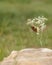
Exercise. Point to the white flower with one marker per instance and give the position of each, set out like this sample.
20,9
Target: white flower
30,22
38,30
44,19
38,22
42,28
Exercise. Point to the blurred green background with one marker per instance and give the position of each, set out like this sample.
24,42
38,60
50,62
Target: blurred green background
14,33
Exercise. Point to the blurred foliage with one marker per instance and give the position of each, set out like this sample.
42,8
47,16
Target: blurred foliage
14,33
19,1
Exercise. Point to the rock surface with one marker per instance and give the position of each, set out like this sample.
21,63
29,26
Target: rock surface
30,56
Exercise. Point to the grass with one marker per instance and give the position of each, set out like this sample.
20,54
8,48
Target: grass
14,33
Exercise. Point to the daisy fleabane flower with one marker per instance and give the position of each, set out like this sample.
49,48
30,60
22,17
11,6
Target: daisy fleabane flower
37,24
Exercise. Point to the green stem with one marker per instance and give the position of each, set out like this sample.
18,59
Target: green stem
41,43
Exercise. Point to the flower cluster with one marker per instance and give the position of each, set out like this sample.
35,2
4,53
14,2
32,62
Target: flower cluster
37,24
